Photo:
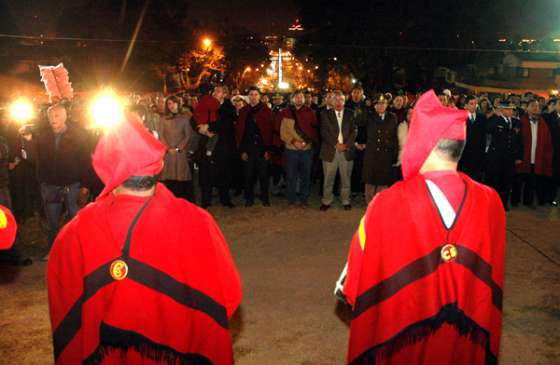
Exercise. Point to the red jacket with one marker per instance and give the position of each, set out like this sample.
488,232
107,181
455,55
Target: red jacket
173,305
264,120
206,110
543,155
410,306
307,121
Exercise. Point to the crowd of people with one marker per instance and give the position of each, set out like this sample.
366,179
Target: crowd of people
348,145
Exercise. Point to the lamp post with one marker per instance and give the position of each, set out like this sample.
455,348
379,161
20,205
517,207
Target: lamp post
206,43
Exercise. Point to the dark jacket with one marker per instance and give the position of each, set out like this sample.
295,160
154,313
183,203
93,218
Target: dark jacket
359,110
65,165
471,162
4,160
261,117
382,147
329,134
553,121
223,127
506,144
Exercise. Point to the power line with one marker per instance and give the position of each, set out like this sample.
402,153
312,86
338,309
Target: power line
312,45
81,39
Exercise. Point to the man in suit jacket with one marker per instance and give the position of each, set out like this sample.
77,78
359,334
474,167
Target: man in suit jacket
471,162
536,166
338,134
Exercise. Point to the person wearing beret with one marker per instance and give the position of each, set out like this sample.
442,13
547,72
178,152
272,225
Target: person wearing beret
140,276
425,268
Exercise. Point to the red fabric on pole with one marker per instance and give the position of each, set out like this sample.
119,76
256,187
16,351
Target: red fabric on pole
409,305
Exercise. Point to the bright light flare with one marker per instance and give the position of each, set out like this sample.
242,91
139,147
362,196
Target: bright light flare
106,110
206,43
283,85
21,111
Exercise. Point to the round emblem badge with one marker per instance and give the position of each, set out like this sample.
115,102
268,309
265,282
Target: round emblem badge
118,270
448,253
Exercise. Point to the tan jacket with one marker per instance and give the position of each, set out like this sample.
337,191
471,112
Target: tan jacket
288,135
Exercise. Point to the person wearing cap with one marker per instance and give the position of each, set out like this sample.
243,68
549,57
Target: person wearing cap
425,270
472,160
444,96
505,150
357,104
535,167
382,147
140,276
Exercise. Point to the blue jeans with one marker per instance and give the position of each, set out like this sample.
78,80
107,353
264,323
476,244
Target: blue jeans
298,168
54,197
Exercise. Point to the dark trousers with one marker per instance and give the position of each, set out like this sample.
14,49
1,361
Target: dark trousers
255,168
181,189
214,174
55,198
298,169
552,189
501,177
357,183
25,192
530,185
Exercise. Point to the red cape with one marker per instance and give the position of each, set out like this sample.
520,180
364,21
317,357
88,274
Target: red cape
175,303
543,156
409,306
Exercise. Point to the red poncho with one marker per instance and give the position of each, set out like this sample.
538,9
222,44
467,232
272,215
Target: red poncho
8,228
411,305
171,305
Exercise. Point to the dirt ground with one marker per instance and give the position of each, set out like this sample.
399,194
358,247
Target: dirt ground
289,260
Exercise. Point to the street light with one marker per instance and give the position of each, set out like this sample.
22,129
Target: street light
106,109
21,110
206,43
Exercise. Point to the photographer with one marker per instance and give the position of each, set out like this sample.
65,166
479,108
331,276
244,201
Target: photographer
60,154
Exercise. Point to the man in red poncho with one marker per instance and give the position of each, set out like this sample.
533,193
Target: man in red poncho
139,276
425,270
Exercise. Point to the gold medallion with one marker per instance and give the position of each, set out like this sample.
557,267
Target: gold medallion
448,253
119,270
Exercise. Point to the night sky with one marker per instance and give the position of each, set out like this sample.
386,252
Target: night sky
263,17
